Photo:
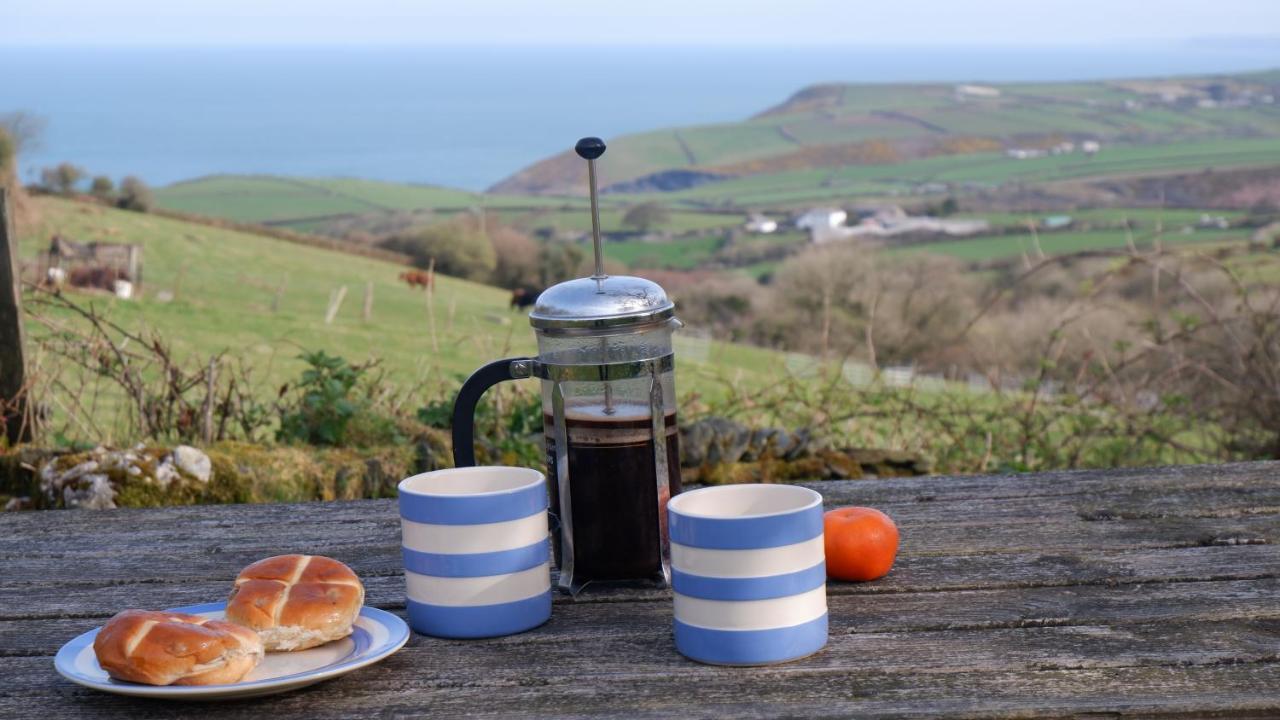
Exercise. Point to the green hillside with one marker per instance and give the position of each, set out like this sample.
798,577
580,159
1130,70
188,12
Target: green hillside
294,201
914,121
224,282
799,187
826,144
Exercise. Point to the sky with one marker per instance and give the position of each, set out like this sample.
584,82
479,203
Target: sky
639,22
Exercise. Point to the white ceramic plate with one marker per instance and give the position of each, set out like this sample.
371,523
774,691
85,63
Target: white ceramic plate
377,634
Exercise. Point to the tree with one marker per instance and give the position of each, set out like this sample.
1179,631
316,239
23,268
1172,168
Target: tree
458,248
645,216
62,178
24,129
102,187
134,195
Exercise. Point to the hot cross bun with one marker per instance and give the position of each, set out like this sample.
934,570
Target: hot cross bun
164,648
295,602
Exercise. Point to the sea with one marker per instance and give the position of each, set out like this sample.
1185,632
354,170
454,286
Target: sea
469,116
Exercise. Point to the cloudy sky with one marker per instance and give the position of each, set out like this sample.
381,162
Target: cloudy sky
562,22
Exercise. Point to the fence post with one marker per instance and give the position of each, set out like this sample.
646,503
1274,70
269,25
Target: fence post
135,265
211,388
278,298
335,302
14,408
431,305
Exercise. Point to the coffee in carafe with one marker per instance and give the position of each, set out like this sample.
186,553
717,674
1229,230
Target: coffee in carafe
617,444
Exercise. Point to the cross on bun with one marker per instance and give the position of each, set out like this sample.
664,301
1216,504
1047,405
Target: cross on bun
295,602
164,648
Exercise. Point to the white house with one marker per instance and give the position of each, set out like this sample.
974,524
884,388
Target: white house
821,219
1089,147
761,224
1024,153
976,91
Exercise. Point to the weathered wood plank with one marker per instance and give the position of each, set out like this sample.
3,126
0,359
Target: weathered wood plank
558,661
1225,516
311,523
372,547
850,614
401,688
87,594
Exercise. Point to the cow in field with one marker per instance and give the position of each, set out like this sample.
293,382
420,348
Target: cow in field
98,278
523,297
418,278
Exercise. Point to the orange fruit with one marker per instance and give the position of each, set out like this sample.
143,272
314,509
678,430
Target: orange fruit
861,543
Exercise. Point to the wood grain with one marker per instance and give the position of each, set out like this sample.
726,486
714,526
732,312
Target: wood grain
1134,593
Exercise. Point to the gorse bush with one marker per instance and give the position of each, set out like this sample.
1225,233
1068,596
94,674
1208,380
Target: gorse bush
328,409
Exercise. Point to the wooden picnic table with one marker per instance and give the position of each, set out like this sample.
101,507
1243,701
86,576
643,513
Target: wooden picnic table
1146,593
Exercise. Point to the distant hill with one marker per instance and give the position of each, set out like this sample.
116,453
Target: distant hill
841,125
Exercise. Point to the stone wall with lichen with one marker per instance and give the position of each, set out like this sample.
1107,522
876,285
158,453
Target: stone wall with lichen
714,451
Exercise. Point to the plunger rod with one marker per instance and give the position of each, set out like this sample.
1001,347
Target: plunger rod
595,222
590,148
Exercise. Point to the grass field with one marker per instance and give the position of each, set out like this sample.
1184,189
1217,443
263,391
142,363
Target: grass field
579,219
1171,218
683,254
802,186
224,282
1061,243
274,199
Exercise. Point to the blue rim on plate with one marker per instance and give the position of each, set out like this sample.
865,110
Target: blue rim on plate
377,634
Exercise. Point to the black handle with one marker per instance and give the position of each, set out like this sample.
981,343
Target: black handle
464,407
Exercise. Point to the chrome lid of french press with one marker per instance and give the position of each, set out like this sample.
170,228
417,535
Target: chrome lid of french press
599,302
610,302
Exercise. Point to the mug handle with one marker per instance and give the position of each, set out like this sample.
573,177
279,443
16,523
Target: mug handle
464,407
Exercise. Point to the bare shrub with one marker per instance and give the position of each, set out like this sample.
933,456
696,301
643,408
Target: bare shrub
825,294
724,304
518,258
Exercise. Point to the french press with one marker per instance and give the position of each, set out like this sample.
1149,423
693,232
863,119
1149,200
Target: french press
609,416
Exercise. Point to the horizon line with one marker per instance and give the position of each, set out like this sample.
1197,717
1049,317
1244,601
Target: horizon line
1252,40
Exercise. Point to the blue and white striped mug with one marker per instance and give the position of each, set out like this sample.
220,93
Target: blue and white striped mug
476,551
749,574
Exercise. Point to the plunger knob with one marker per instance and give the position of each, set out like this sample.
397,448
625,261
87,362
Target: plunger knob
589,148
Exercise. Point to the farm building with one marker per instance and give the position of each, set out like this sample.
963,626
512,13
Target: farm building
761,224
115,267
821,218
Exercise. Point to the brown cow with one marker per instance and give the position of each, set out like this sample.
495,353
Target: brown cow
523,297
418,278
101,278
